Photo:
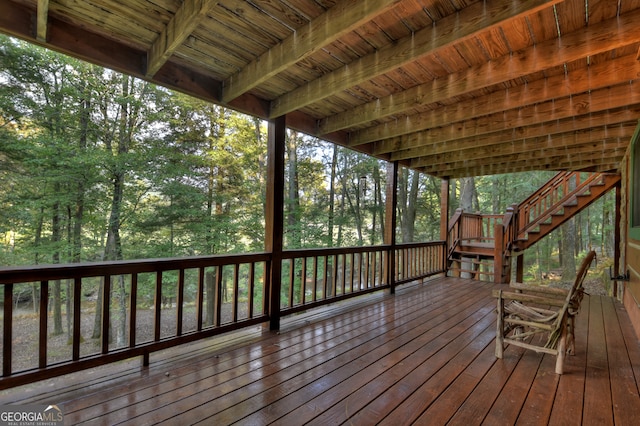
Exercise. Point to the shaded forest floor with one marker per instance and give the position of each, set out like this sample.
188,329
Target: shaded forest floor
59,348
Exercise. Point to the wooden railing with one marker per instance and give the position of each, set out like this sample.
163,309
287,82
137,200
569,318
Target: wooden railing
540,205
419,260
156,304
505,234
472,227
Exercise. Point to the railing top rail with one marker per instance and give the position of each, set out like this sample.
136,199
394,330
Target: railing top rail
554,182
33,273
559,202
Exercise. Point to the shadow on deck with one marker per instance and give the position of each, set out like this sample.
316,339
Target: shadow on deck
424,356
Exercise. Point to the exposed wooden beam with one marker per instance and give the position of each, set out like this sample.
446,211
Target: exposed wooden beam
586,140
342,18
606,118
608,150
609,73
16,20
42,20
610,161
599,38
575,106
610,166
476,18
184,21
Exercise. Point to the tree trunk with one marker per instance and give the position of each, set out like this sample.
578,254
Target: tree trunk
293,195
56,238
332,196
569,244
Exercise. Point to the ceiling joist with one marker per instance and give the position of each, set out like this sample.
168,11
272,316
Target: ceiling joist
322,31
452,88
183,23
42,18
478,17
610,73
599,38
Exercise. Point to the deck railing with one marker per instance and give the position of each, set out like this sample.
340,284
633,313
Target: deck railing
540,205
119,310
472,227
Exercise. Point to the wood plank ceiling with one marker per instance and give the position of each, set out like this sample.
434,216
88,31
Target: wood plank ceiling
452,88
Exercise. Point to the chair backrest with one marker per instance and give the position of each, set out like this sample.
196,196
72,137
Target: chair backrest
572,302
576,290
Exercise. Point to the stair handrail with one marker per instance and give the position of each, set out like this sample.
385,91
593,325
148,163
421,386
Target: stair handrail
560,180
453,237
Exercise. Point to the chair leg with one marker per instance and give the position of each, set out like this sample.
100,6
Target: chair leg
562,348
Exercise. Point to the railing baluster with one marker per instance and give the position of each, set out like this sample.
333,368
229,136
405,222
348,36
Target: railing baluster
200,298
77,312
334,279
354,260
180,302
303,280
106,314
133,310
315,278
236,296
251,289
157,318
218,297
7,328
325,275
292,267
42,344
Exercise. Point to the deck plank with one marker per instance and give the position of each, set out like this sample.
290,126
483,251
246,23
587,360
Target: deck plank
624,391
423,356
569,397
597,387
424,333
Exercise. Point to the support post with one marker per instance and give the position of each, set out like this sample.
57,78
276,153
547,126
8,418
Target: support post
616,239
274,216
390,222
520,268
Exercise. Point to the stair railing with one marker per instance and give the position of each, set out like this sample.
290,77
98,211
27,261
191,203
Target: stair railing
547,200
453,234
505,234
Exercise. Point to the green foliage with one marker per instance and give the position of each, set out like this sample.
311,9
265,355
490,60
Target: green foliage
97,165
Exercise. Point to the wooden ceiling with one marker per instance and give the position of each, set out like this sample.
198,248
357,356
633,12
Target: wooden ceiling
452,88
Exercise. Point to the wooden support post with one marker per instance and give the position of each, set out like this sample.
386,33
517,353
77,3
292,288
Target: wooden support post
616,239
390,223
274,216
520,268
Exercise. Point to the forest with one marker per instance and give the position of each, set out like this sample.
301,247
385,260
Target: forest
99,166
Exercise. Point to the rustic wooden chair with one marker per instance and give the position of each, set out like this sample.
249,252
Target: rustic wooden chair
528,311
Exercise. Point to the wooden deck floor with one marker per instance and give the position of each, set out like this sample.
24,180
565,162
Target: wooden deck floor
423,356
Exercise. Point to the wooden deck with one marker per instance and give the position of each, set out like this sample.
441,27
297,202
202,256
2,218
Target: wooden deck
423,356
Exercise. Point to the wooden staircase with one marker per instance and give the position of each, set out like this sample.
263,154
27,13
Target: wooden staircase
481,245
